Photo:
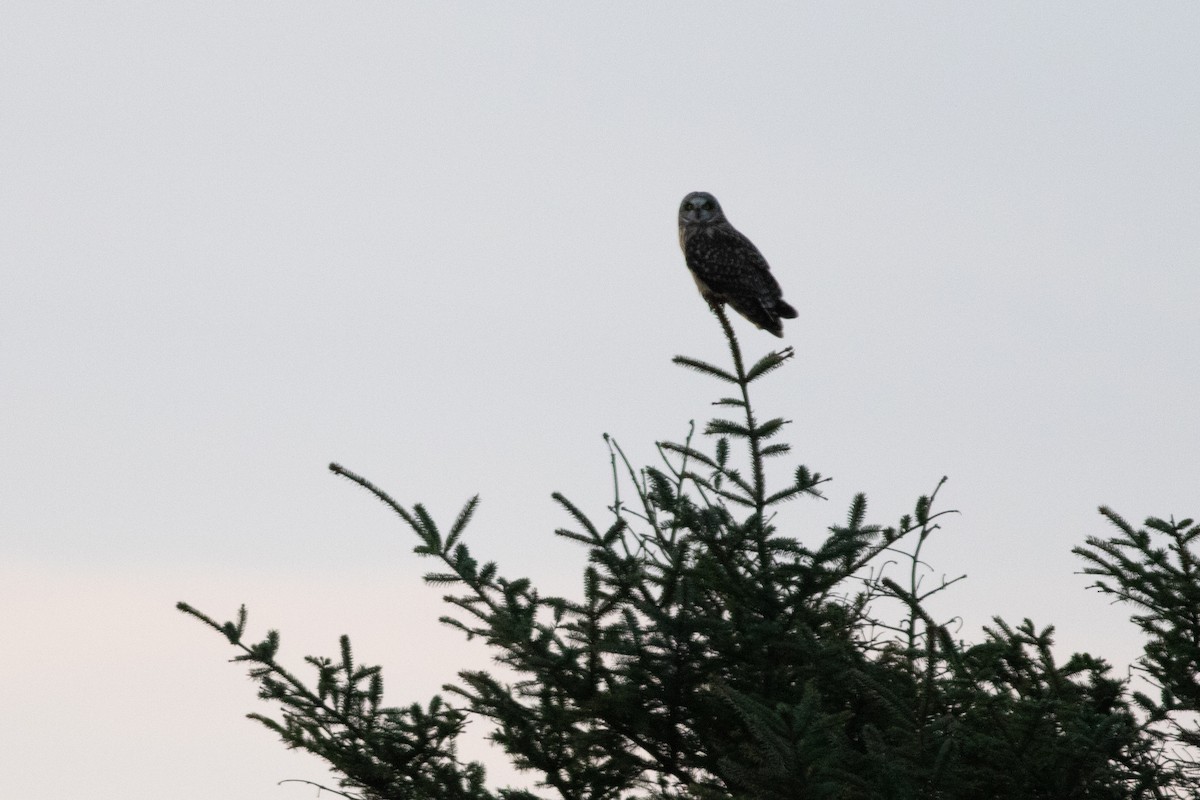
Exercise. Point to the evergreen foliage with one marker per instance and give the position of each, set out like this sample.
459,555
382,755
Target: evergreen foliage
710,655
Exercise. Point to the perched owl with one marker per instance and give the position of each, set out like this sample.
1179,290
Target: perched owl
727,267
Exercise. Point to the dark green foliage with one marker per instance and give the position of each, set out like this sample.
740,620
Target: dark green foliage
379,751
709,655
1157,572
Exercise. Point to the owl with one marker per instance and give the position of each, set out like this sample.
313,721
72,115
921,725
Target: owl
727,267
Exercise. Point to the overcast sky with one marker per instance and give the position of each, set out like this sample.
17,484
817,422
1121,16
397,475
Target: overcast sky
436,243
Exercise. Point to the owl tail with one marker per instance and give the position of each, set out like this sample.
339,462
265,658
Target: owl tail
763,316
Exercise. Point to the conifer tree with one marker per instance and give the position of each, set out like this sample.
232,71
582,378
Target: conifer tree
711,655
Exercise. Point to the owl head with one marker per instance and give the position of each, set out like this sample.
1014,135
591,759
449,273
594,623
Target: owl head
700,207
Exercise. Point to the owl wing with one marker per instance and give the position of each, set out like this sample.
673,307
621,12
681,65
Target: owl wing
729,268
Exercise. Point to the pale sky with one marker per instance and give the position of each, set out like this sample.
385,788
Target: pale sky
435,242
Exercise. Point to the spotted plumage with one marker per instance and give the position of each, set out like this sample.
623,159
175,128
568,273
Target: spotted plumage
727,267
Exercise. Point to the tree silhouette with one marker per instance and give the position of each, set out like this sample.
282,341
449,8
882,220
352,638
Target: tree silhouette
711,655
